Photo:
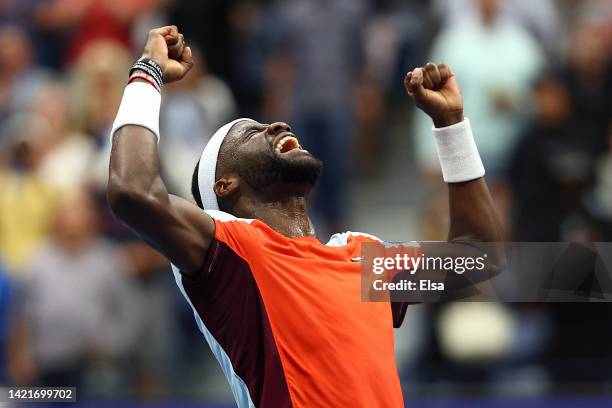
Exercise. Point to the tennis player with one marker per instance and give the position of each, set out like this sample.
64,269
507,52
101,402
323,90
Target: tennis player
280,310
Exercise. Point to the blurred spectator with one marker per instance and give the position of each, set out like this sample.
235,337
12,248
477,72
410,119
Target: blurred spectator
19,76
248,45
385,35
90,21
552,167
590,79
321,43
542,18
495,62
153,14
27,201
205,23
369,109
67,163
193,110
97,83
79,305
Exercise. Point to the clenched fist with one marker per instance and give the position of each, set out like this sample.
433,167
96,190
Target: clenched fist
166,46
435,91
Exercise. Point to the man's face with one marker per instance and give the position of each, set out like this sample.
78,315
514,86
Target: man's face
265,155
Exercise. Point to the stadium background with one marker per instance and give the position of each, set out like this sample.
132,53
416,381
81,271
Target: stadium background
82,302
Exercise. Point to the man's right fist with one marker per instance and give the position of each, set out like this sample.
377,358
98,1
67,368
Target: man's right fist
166,46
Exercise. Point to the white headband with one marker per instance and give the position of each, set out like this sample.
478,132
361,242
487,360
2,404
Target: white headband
208,166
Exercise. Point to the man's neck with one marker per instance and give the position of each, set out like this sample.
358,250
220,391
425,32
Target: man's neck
287,216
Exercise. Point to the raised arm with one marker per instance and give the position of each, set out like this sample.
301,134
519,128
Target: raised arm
473,219
435,91
136,192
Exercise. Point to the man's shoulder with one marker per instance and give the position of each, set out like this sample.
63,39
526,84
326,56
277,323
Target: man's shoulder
241,235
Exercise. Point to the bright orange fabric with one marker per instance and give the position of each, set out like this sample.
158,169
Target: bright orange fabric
336,350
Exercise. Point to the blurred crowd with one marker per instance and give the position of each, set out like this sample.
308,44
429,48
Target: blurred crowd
83,302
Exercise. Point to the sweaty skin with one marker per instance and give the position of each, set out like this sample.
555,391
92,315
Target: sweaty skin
182,232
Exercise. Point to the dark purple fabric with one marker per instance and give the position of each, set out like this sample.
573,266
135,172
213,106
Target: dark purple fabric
227,299
399,312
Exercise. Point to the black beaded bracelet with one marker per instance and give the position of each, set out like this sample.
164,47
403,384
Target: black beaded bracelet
153,64
150,67
148,70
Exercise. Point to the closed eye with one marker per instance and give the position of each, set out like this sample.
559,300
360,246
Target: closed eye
253,131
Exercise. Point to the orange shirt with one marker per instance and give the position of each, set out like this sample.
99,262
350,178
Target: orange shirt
284,317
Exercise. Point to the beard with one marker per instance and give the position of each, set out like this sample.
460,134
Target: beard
271,169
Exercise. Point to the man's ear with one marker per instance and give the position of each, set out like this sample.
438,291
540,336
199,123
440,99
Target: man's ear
226,186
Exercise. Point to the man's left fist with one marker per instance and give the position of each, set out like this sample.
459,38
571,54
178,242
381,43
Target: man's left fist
435,91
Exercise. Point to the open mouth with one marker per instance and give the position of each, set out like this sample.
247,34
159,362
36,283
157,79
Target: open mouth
287,144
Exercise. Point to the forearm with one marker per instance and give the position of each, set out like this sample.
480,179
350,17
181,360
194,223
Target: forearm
474,228
134,174
134,163
136,191
473,233
472,213
471,209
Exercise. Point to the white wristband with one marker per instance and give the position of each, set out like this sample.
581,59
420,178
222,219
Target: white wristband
458,153
139,106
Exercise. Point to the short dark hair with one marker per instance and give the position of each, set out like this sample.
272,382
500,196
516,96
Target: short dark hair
195,186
